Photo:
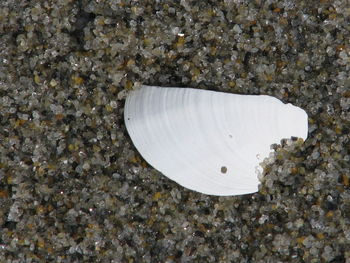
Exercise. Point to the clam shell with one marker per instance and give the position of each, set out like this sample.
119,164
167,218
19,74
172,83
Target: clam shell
210,142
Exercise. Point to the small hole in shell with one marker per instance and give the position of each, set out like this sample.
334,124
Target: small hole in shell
223,169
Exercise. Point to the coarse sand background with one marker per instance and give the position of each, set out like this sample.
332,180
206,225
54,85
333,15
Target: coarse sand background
73,187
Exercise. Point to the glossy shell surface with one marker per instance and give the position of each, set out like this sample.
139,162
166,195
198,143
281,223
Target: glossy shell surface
210,142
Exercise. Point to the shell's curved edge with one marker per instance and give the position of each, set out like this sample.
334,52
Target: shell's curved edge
208,141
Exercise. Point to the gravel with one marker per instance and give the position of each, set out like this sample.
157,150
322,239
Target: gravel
74,189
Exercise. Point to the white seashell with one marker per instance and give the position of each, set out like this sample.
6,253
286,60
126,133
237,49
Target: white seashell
210,142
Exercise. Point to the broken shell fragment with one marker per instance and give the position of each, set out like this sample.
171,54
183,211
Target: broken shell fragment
210,142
